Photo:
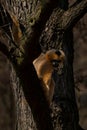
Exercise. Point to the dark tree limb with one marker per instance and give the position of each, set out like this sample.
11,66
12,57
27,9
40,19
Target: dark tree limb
6,23
4,50
30,82
36,28
73,14
27,74
9,54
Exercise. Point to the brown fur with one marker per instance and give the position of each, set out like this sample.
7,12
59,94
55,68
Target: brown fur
44,69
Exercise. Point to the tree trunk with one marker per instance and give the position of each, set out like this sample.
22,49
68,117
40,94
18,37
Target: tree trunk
64,107
23,115
63,110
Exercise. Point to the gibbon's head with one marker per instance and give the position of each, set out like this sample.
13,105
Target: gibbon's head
56,57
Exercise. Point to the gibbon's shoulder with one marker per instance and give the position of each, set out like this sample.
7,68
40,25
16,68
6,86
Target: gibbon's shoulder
42,65
39,59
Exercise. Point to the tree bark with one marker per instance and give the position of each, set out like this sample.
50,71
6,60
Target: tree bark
50,25
23,115
65,112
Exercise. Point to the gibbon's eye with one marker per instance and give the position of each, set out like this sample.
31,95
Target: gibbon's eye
55,63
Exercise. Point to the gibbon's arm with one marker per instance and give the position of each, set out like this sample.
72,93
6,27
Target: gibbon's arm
44,66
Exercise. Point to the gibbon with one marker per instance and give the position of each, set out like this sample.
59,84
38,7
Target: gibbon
44,66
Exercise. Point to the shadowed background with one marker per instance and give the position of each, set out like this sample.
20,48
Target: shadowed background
80,74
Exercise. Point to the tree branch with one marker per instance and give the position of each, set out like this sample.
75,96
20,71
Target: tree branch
8,53
30,83
37,26
73,14
44,13
4,49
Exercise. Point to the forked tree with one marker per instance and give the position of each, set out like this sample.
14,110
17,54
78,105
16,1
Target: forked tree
27,28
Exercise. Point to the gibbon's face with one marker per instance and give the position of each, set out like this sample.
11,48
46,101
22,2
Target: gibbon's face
56,57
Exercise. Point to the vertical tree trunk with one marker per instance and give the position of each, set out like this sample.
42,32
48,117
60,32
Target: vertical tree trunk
23,115
64,109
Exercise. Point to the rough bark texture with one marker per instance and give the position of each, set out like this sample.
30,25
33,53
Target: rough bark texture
23,115
67,115
50,31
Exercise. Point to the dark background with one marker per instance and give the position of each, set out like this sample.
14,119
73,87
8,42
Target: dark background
80,68
80,76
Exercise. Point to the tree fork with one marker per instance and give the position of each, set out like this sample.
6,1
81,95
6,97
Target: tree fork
65,113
